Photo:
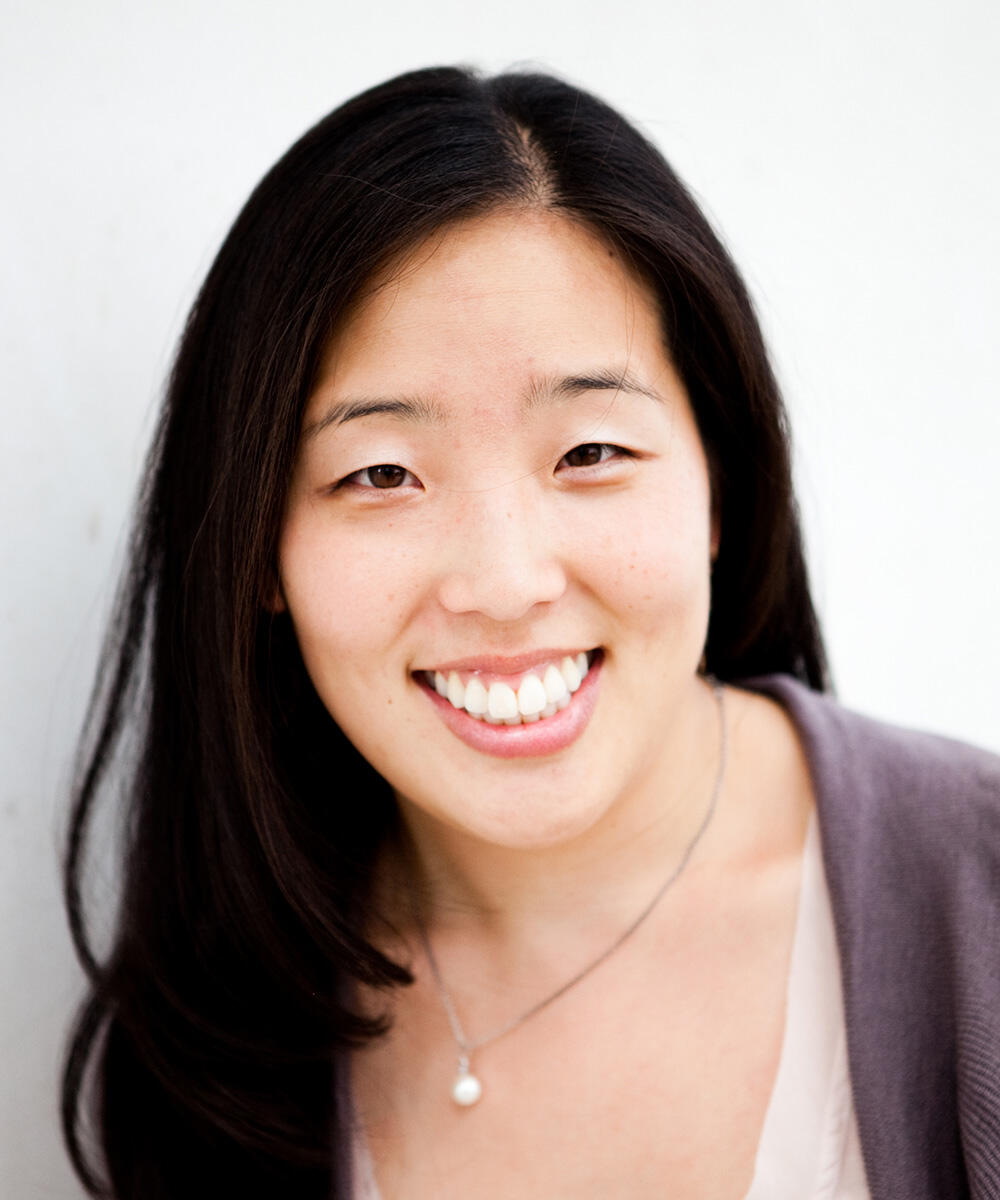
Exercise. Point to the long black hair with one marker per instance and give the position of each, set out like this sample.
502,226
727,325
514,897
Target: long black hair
208,1058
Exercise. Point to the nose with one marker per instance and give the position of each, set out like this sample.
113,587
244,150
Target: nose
501,558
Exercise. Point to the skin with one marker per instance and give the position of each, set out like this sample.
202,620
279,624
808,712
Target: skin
500,549
500,537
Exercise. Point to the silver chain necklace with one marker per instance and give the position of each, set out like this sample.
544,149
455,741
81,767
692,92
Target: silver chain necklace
467,1088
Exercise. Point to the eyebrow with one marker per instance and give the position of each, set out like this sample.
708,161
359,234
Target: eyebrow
407,409
420,411
601,380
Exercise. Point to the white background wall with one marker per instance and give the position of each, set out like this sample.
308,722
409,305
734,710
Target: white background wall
848,151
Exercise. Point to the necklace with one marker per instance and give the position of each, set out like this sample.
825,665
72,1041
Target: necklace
467,1088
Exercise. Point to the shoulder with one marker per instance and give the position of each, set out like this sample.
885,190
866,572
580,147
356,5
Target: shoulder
910,832
873,768
910,821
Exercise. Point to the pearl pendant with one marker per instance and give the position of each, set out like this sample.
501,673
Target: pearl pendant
466,1089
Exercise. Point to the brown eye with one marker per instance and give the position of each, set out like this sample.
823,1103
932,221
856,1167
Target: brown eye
386,475
383,477
587,455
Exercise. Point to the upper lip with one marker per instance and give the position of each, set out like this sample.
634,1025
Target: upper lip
503,664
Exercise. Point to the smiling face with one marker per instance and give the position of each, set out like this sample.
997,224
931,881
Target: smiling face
500,489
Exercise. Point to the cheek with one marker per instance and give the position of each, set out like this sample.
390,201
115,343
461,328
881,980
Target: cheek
652,563
348,600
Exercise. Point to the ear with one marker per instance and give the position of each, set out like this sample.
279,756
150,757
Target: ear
274,596
715,509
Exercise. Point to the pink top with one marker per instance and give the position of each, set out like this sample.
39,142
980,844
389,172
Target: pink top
809,1148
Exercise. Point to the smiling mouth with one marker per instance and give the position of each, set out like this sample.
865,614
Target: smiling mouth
534,696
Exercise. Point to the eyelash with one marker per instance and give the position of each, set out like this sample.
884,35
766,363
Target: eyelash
608,451
615,453
372,487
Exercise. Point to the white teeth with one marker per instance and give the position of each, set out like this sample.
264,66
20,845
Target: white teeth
456,691
555,685
475,698
499,704
570,672
502,702
531,697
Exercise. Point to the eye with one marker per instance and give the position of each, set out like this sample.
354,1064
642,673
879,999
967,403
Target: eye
383,477
592,454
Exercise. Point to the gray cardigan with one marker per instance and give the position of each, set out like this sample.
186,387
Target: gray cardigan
910,829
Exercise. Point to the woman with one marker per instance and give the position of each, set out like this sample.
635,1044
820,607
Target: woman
450,867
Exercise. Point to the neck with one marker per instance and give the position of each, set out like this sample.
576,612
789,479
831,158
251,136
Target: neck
597,881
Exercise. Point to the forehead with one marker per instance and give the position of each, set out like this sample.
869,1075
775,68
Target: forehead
494,299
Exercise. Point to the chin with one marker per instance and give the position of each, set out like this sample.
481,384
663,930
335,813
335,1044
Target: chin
552,816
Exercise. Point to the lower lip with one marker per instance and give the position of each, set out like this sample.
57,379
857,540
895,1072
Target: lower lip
548,735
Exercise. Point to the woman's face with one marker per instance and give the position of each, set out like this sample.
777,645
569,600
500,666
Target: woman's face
500,474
